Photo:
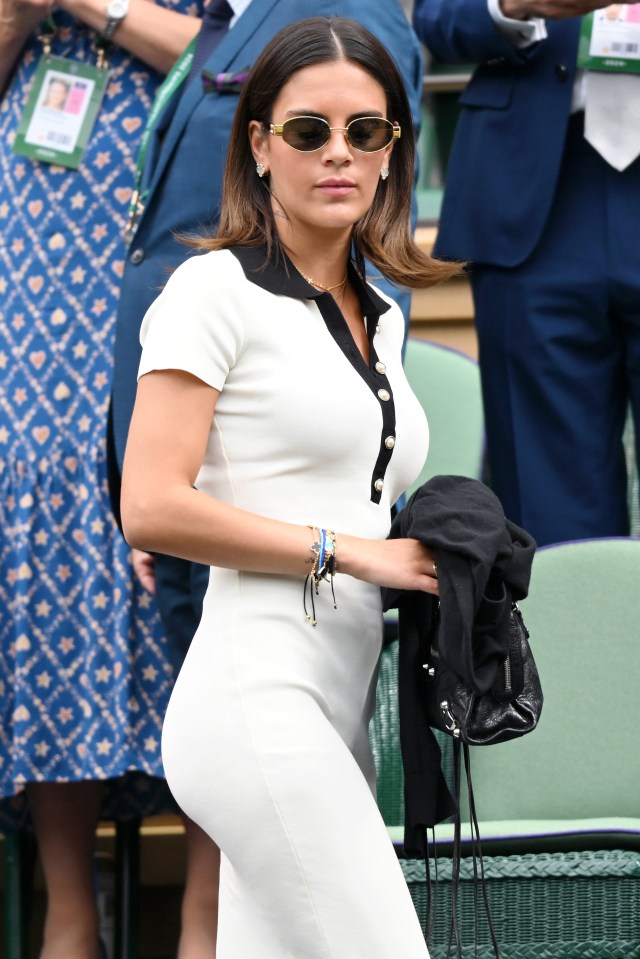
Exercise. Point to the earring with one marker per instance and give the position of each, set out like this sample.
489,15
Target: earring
260,170
384,172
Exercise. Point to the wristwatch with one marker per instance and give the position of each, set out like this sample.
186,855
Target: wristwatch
116,12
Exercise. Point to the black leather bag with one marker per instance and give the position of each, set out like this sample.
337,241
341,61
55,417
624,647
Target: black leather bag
509,709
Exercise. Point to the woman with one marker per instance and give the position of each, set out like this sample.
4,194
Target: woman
56,95
271,399
83,668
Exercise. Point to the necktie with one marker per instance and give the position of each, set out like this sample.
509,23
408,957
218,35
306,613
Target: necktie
215,23
612,116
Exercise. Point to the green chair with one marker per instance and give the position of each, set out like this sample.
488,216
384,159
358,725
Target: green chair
560,809
447,383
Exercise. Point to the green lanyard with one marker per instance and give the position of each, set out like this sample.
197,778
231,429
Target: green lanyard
174,79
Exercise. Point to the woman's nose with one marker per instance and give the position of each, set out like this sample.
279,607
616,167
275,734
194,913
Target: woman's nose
337,144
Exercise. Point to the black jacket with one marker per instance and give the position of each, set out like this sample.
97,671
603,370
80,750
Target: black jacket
484,563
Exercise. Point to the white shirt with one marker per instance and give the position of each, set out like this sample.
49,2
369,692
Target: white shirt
238,7
522,33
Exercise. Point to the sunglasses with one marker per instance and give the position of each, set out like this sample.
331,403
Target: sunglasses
366,134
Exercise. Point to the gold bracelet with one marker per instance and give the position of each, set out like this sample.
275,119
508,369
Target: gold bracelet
315,549
325,564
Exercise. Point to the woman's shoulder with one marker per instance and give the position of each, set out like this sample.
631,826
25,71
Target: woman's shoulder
201,266
200,300
202,275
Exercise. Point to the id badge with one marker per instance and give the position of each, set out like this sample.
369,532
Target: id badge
610,39
61,111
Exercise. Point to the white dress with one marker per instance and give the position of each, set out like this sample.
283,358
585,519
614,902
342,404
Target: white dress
265,740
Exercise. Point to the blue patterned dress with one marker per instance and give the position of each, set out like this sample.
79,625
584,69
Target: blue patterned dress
84,672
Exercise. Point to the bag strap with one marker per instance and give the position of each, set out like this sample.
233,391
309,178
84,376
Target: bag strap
454,928
476,848
461,751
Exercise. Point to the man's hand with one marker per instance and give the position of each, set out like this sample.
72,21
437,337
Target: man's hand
143,568
549,9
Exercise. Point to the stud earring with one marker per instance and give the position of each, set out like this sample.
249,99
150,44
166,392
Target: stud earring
384,172
260,170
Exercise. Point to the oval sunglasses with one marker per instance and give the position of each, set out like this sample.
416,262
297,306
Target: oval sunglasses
365,134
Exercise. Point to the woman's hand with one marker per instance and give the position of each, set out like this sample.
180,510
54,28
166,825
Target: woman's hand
18,19
398,563
25,14
143,567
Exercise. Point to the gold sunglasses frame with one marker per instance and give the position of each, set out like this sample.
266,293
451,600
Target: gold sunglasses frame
277,130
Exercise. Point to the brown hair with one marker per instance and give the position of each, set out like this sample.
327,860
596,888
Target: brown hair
383,235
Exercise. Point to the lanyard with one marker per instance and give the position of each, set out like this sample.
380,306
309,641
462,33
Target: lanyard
46,34
174,79
48,31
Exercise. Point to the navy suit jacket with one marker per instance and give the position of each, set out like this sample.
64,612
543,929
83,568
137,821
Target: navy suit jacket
185,164
505,161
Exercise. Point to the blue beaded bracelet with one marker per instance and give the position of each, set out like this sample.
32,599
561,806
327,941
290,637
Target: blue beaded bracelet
325,565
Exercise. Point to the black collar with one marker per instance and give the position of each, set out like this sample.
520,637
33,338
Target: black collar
279,276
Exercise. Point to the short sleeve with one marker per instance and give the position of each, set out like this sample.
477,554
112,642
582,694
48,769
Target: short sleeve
195,324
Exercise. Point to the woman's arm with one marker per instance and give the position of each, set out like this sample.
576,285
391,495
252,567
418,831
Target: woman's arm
153,34
156,35
161,512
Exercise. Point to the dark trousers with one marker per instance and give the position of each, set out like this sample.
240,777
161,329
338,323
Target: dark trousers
180,589
559,341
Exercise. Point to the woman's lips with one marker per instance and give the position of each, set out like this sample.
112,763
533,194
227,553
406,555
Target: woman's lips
334,187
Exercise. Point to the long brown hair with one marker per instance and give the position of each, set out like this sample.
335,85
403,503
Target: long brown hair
383,235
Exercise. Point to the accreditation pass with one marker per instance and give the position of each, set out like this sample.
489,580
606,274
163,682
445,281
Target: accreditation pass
61,111
610,39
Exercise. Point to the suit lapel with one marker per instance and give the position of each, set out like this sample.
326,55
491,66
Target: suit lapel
220,61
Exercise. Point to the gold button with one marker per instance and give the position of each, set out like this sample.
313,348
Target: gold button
384,395
390,442
379,485
380,367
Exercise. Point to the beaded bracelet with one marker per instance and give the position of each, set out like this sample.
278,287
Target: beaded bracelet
324,565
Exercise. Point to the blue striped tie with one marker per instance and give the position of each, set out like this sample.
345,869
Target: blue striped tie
215,24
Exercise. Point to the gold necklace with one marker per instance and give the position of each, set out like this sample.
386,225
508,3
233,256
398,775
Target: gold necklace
321,286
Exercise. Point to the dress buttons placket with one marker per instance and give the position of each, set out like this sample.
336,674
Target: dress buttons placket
382,389
374,376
